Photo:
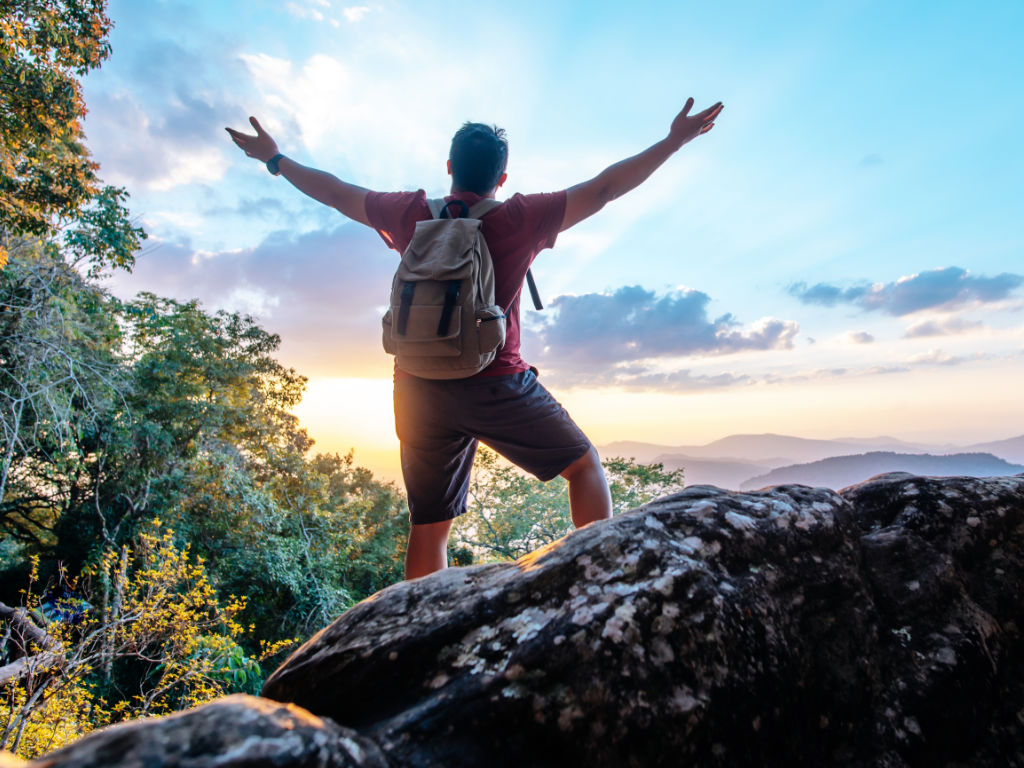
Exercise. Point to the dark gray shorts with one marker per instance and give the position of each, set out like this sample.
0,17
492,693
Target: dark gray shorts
440,421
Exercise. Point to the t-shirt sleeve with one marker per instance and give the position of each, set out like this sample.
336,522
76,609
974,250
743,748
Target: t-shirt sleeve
394,215
542,215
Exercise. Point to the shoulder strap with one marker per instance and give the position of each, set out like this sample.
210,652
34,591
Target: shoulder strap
483,206
435,205
479,209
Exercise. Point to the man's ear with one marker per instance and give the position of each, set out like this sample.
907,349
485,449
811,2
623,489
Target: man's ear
449,167
501,181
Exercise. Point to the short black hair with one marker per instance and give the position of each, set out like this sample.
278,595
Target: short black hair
478,155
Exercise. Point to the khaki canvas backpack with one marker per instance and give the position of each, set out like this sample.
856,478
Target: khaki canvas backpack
442,322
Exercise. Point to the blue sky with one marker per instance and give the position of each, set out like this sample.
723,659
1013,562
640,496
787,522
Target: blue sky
842,254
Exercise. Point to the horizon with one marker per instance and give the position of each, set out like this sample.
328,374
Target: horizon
841,255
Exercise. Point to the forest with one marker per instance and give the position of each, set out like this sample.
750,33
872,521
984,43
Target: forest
167,532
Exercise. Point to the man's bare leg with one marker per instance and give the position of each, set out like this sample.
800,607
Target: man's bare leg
428,549
589,497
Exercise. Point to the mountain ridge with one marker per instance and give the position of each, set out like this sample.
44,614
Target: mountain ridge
731,461
838,472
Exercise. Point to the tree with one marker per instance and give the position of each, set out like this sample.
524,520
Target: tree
143,633
511,513
45,169
116,415
59,379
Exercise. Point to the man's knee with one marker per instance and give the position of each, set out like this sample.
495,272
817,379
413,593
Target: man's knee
587,463
430,533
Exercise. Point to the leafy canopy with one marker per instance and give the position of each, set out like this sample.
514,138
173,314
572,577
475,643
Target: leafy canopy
45,169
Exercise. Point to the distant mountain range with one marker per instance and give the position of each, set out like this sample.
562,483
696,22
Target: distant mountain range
747,461
840,471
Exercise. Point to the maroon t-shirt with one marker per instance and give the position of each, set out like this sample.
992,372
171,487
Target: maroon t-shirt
516,231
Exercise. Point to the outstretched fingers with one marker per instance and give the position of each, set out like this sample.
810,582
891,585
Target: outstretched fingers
711,112
242,141
254,146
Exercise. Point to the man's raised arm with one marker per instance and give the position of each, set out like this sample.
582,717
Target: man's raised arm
323,187
586,199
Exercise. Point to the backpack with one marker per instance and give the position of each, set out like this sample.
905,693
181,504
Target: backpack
442,322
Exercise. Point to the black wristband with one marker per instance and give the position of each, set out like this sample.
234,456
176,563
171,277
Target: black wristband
272,164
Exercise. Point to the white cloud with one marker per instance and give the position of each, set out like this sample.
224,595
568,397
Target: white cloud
356,13
946,327
859,337
361,118
307,12
933,356
144,149
203,165
251,300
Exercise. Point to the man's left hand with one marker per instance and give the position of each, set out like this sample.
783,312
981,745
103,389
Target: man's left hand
261,146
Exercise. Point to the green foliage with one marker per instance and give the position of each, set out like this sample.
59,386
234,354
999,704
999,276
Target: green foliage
102,235
117,415
633,484
58,380
45,170
149,636
511,513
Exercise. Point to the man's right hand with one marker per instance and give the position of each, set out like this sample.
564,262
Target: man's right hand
687,127
586,199
261,146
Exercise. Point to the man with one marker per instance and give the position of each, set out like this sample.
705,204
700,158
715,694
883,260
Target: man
440,421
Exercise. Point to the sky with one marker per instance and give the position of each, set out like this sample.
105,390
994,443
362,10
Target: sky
841,256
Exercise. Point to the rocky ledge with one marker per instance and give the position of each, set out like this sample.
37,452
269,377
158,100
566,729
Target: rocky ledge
794,626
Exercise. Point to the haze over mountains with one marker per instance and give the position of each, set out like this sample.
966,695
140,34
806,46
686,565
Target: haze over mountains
747,461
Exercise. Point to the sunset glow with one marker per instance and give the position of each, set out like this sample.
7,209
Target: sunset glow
840,256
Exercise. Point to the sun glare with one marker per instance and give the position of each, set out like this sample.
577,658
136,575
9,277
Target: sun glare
343,414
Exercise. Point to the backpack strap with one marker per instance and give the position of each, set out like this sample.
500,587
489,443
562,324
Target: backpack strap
482,207
479,209
435,205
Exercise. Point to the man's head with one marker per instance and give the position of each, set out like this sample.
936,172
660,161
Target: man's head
478,158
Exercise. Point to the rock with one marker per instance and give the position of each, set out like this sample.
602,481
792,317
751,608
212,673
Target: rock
791,626
237,731
945,560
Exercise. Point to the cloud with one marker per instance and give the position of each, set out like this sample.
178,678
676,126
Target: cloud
356,13
601,329
860,337
945,288
633,378
156,149
304,11
259,208
948,327
162,125
322,292
935,357
632,338
824,294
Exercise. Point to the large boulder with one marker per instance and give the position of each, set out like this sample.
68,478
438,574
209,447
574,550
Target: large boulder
236,731
880,626
791,626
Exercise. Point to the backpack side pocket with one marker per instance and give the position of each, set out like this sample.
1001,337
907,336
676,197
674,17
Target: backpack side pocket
490,328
